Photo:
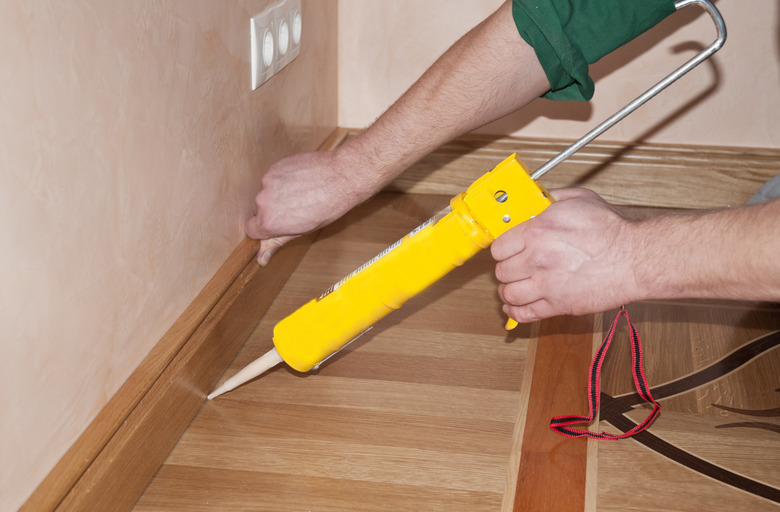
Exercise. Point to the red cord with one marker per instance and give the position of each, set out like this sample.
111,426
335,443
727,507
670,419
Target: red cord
560,423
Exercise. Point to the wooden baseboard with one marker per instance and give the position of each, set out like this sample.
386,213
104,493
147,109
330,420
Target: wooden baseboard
657,175
111,463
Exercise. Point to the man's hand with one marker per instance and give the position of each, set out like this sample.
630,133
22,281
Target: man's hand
572,259
302,193
488,73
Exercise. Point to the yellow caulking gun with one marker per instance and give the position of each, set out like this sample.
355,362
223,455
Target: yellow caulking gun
496,202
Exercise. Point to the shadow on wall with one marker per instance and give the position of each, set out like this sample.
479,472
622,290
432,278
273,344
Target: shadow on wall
664,121
583,111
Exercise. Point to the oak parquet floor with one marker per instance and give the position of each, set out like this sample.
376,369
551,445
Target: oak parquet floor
421,413
720,419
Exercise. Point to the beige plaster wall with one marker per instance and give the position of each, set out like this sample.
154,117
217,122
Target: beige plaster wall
731,100
131,148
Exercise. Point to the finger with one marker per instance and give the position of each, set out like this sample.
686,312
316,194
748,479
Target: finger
510,243
269,247
513,241
519,293
513,269
533,312
562,194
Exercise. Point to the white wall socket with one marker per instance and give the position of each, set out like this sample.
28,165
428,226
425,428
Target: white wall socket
275,39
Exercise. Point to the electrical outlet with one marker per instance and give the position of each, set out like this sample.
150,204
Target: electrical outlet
275,39
296,27
281,17
263,47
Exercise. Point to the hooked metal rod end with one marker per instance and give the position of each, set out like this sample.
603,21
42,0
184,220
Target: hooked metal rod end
647,95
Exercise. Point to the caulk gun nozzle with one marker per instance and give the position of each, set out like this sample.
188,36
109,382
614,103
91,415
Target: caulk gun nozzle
220,390
250,371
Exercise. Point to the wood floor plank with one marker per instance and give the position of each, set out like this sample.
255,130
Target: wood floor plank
553,469
201,489
713,447
336,424
349,461
381,395
426,400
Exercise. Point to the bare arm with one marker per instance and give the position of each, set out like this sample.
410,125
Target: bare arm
582,256
488,73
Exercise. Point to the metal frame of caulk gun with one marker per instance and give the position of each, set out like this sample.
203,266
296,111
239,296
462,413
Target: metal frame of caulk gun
644,97
640,100
272,358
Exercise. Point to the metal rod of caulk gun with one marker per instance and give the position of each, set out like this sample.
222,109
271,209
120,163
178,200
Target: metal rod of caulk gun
644,97
272,357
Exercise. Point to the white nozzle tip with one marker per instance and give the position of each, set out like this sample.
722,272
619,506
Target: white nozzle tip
214,394
252,370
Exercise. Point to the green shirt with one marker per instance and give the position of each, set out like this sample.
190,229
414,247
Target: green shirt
568,35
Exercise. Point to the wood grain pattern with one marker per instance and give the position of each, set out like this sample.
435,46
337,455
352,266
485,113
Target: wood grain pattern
389,425
713,366
553,469
87,449
417,414
120,472
513,468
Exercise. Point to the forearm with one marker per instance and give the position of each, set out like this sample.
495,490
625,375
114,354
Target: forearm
732,254
487,74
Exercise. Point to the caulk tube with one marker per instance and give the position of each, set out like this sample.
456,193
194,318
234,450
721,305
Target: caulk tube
497,201
324,325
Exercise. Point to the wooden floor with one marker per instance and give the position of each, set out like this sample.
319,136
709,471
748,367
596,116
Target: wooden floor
438,408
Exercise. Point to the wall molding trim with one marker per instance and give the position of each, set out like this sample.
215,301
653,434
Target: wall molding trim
625,174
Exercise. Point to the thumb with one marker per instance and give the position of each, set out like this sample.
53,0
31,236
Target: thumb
562,194
269,247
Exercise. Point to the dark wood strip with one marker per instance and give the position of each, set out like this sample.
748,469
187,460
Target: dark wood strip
715,371
770,427
553,468
768,413
689,460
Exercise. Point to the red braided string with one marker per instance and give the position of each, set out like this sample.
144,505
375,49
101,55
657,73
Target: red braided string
561,424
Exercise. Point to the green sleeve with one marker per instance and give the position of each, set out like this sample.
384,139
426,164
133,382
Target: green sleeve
568,35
